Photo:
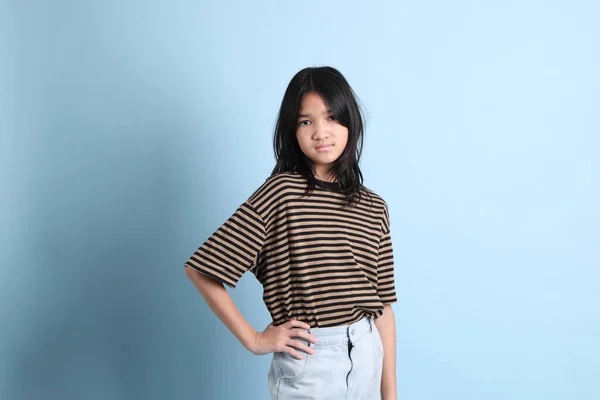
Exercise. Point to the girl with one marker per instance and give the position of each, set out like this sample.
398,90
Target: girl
319,242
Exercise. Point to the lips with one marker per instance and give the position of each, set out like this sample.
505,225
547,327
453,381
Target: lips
324,146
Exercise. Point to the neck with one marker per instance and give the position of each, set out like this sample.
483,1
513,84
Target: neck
330,179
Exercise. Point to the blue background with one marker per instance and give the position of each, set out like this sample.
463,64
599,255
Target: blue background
131,130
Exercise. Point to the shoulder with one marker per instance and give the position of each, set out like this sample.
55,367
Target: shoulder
382,206
378,201
276,183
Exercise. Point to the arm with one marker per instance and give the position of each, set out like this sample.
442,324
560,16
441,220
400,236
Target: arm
221,303
386,325
273,338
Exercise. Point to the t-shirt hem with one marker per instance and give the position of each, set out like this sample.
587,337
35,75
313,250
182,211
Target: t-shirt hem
210,275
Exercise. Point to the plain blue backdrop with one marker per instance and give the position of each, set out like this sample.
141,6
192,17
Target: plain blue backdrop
130,130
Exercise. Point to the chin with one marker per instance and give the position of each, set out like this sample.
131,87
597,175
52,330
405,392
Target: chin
327,160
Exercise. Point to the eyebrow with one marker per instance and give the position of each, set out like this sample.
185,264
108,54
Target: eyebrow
306,115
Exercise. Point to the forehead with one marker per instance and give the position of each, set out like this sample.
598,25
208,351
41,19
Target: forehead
313,103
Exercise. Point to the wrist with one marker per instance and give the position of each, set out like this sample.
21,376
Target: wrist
249,340
389,394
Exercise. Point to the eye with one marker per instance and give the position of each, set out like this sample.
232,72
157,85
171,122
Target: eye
302,123
332,117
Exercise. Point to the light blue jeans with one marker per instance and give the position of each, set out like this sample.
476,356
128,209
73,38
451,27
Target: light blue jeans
346,365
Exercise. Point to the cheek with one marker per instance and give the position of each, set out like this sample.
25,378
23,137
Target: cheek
302,140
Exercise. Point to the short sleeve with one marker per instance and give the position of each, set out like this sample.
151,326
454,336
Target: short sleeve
233,248
386,289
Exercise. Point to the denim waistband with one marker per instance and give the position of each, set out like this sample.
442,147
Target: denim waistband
342,334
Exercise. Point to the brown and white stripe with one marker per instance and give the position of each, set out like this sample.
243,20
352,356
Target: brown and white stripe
318,261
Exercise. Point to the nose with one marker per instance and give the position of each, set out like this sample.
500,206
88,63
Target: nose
321,131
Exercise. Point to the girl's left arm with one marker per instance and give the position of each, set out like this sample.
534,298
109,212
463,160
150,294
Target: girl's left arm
386,325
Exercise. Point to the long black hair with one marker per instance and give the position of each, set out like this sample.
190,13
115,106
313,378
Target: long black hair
331,85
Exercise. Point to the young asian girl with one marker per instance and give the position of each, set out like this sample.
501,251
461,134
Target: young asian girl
319,243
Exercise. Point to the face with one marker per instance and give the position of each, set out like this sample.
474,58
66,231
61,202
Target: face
320,136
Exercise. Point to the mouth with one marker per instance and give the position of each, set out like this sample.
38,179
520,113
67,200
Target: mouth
324,146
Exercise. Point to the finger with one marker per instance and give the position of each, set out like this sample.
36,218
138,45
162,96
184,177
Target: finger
294,353
289,324
305,335
298,324
300,346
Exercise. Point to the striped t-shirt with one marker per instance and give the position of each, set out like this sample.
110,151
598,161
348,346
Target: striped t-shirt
318,261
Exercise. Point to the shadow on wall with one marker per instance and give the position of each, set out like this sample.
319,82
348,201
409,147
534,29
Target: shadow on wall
103,318
102,304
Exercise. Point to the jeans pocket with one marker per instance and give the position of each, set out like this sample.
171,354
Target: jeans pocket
290,368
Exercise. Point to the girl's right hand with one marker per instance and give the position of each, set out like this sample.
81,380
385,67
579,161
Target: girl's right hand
280,339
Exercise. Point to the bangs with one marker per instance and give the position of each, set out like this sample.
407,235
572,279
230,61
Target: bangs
333,90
